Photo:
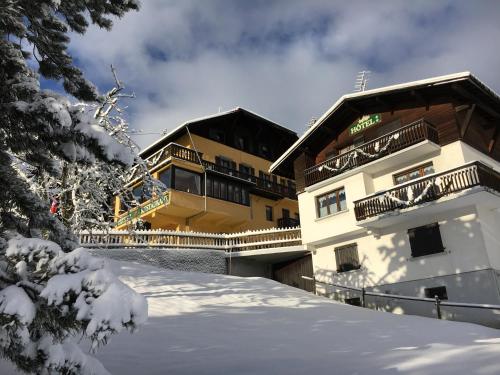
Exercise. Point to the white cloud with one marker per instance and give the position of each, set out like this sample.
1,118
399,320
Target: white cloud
287,60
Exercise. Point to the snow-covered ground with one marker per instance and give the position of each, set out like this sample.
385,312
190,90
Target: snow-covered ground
215,324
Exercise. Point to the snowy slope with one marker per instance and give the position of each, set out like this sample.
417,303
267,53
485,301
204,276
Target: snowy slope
215,324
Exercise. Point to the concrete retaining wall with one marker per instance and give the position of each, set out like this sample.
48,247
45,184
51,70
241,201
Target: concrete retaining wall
195,260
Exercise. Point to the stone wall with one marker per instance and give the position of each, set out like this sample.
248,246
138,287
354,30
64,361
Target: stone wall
195,260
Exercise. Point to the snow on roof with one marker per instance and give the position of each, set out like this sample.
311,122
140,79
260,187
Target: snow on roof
180,127
401,86
215,115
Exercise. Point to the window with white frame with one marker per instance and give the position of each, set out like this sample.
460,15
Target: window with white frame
347,258
330,203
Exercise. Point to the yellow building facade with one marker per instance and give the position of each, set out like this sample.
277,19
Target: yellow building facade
215,171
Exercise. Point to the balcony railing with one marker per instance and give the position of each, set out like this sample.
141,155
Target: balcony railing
288,222
427,189
187,154
262,184
171,150
232,242
226,170
389,143
275,187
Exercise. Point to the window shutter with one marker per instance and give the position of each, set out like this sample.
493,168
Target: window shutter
425,240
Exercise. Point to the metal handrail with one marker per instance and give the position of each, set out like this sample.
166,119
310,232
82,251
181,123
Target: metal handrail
438,302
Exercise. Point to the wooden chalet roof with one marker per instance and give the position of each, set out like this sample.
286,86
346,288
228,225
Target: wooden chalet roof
461,86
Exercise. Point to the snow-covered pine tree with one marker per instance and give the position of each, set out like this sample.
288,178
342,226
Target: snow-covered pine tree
50,291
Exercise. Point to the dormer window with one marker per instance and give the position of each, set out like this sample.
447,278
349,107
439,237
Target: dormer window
217,135
241,142
264,150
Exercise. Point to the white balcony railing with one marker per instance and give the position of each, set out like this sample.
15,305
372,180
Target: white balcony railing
232,242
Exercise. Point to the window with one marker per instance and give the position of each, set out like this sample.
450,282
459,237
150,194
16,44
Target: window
245,196
269,213
187,181
354,301
217,135
140,194
241,142
266,179
227,164
165,176
347,258
246,171
285,213
439,291
227,190
358,141
264,150
425,240
331,202
330,154
223,190
210,187
413,173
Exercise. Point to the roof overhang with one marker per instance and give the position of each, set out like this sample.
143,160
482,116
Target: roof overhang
178,131
348,99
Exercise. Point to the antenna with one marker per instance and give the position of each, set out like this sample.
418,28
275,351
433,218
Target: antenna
361,80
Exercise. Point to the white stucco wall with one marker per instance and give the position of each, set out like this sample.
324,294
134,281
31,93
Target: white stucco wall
470,234
386,256
342,223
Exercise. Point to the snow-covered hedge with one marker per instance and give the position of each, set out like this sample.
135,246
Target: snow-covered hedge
195,260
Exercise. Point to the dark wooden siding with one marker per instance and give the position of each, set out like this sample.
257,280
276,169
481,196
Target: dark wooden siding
441,115
291,273
299,165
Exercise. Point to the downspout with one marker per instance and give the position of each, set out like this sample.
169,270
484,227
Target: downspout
204,174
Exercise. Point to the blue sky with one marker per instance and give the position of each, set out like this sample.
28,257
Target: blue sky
287,60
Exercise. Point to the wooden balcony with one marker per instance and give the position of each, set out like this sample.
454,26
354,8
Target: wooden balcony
427,189
269,188
288,222
371,151
266,239
169,151
226,171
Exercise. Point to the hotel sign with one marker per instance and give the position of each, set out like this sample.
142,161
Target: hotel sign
365,122
139,211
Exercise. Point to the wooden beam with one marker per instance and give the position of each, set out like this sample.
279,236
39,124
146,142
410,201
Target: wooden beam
494,139
483,106
460,108
387,104
467,120
327,130
353,108
420,98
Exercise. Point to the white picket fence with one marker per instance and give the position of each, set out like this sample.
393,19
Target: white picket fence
231,242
